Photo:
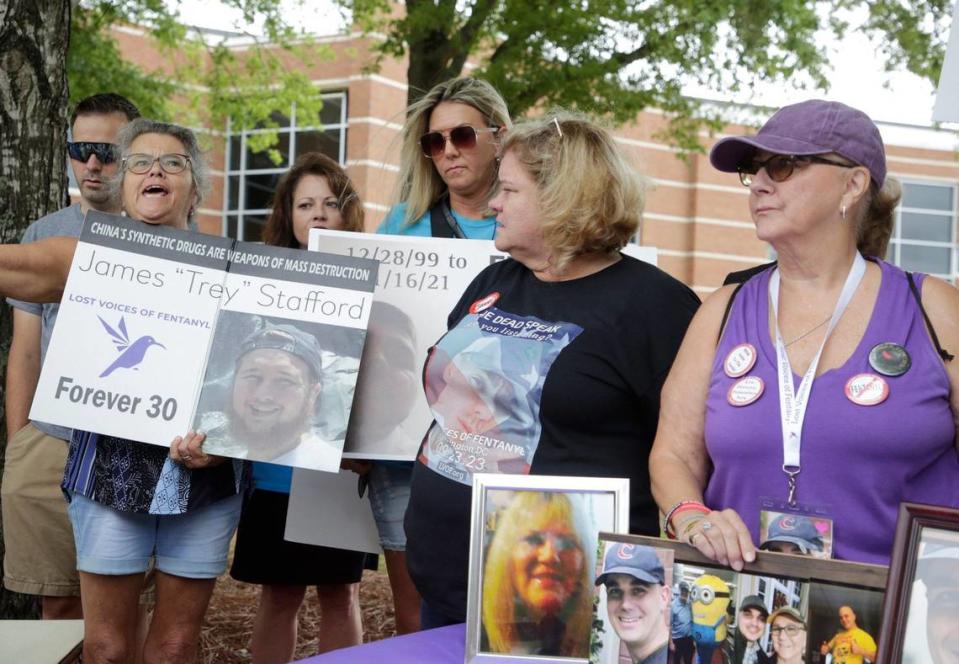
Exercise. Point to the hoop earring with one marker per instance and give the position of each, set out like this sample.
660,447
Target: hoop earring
842,211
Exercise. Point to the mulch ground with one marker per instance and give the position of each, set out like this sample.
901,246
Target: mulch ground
229,621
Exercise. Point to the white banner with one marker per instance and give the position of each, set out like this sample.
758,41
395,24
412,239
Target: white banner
156,325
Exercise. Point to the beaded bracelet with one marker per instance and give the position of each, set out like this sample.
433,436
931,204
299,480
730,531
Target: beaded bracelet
679,508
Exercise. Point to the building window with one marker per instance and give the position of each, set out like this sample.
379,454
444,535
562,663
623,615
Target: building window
924,237
251,177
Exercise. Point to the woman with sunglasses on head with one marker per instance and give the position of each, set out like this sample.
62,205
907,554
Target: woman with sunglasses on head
134,504
447,174
823,382
554,358
315,193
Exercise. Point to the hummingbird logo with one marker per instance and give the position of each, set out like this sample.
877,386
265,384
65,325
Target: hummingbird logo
131,355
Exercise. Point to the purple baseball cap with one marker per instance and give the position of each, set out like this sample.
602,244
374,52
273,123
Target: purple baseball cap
811,127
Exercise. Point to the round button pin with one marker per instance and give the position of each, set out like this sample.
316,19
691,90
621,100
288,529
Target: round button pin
740,360
745,391
484,303
867,389
890,359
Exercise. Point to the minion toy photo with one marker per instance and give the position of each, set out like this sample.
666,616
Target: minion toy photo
710,598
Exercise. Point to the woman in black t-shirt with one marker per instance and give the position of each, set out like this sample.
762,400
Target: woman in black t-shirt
576,339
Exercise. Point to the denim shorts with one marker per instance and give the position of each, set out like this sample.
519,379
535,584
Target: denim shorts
193,545
389,495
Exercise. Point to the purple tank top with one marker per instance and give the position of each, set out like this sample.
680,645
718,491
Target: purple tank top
858,462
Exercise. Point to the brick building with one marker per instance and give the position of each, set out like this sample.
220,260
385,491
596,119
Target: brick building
696,217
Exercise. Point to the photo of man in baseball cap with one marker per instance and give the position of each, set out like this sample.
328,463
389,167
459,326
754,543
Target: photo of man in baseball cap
268,411
750,626
792,533
637,599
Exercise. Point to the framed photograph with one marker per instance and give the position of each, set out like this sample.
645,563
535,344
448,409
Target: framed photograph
533,551
782,608
922,599
631,603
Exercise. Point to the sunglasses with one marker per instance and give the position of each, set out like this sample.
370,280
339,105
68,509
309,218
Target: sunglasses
81,150
780,167
171,162
462,138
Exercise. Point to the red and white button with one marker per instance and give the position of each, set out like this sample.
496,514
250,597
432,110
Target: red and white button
867,389
484,303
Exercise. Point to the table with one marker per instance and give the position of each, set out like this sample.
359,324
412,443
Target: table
42,641
444,645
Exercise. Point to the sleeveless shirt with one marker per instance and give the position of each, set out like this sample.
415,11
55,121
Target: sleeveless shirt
858,462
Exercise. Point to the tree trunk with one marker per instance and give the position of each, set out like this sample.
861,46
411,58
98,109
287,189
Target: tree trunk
34,36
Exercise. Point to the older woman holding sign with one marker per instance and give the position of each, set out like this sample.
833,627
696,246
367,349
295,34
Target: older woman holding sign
564,346
830,391
124,515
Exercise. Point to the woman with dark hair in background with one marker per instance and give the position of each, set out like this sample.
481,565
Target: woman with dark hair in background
315,193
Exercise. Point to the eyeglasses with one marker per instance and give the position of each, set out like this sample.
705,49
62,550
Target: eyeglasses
780,167
81,150
171,162
462,138
789,630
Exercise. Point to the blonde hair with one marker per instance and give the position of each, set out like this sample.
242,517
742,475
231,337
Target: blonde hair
591,200
529,512
876,219
419,184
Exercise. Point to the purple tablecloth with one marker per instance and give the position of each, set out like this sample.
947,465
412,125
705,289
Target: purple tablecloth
444,645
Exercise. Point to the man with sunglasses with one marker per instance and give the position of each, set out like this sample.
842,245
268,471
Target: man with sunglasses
40,555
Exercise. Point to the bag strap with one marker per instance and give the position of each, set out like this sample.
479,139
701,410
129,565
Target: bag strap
442,221
739,278
943,353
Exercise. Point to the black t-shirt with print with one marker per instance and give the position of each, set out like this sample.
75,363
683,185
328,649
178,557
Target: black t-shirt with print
599,407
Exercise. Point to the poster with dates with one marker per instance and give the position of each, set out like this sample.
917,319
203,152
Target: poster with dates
420,280
155,322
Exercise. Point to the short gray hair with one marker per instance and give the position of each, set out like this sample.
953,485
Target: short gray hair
140,126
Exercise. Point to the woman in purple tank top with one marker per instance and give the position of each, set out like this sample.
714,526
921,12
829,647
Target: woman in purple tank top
825,404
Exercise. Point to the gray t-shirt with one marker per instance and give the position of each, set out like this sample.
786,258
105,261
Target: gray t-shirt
65,222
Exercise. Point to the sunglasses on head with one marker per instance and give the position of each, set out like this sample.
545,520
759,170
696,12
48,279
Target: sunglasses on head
780,167
81,150
462,138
